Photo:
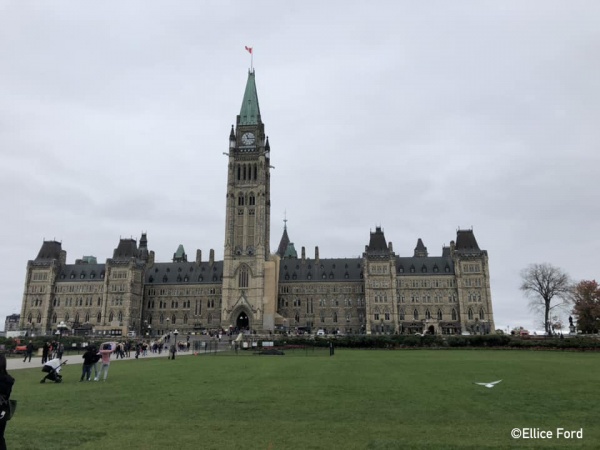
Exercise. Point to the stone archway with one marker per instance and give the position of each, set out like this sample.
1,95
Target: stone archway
431,329
242,321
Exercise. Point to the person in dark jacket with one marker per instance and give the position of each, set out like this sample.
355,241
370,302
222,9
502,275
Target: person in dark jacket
6,384
29,351
89,358
45,351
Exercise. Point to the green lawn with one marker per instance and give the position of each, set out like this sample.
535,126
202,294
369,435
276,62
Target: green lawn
359,399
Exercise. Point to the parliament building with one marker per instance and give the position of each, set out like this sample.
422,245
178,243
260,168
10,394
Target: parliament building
252,288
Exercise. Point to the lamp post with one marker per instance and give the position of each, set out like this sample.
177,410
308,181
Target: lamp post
175,333
59,331
168,329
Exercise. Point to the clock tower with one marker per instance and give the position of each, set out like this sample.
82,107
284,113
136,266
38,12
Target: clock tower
250,273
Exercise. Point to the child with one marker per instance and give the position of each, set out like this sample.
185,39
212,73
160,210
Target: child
105,355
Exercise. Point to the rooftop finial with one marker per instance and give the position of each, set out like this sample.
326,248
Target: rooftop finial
285,219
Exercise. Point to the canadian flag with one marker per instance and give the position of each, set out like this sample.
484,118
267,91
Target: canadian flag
249,49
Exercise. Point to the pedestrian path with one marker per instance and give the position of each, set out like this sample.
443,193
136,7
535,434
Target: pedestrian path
16,362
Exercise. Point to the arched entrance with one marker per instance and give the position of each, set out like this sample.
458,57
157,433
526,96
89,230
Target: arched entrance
242,322
431,329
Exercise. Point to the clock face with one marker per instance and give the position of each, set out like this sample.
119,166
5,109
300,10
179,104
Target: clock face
248,138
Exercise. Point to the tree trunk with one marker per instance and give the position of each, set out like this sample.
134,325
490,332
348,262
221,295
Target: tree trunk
546,321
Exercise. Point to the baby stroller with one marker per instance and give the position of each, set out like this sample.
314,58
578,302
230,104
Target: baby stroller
52,370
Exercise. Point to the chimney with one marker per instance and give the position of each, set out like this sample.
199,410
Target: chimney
211,257
63,257
198,256
390,247
303,254
317,254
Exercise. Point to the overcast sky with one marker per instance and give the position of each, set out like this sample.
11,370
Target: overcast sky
419,117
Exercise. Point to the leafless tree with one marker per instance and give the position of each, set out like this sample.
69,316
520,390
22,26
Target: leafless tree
548,289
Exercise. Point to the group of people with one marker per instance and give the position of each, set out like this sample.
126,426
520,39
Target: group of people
91,359
50,350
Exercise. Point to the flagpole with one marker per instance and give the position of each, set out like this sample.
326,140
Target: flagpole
249,50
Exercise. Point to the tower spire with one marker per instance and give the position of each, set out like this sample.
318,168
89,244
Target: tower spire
250,111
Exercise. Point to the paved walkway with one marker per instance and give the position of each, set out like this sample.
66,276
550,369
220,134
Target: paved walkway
16,362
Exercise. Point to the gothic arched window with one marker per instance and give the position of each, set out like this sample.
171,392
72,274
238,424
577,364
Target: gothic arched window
243,277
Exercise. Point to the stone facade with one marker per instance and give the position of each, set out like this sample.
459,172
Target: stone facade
252,288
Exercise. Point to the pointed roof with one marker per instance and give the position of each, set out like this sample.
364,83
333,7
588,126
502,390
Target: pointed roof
50,250
420,249
466,242
284,242
377,242
179,255
290,251
126,249
143,247
250,111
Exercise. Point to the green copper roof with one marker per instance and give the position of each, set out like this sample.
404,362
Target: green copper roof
250,112
180,251
290,251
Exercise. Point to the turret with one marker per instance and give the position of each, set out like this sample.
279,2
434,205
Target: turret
232,138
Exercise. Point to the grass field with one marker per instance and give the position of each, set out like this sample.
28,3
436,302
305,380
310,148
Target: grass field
358,399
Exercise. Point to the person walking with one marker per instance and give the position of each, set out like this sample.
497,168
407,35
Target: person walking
6,385
29,351
45,351
97,358
89,357
105,355
60,349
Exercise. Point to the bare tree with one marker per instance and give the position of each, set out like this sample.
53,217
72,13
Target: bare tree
543,283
